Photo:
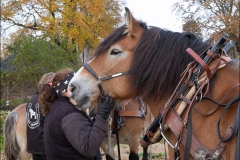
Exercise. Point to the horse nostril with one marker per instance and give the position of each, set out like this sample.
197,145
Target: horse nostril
72,89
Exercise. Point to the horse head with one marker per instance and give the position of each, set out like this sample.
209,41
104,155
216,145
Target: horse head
114,55
135,60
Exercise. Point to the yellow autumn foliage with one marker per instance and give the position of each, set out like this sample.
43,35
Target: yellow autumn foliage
83,22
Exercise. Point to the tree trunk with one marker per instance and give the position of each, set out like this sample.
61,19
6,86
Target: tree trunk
85,55
7,92
23,95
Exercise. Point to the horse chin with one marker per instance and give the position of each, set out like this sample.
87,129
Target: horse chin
73,101
85,102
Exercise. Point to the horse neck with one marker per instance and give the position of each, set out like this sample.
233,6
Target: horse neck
225,80
155,106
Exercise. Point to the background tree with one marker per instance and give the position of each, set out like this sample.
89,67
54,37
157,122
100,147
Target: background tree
48,35
192,26
212,16
82,23
31,57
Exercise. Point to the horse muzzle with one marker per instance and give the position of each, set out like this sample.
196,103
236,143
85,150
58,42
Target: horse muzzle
69,92
79,96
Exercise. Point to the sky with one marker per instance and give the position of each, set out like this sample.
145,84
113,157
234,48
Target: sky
155,13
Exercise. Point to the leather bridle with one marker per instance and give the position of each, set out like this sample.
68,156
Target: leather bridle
101,79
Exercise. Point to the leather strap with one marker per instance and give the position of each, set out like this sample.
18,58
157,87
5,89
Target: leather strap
200,61
212,54
236,125
129,113
221,146
235,128
175,123
237,155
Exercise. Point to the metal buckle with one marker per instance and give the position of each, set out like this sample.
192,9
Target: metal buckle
199,98
201,155
161,131
215,154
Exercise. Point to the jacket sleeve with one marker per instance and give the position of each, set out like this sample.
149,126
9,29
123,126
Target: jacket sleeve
84,138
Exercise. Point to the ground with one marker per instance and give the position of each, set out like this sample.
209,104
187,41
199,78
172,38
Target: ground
156,150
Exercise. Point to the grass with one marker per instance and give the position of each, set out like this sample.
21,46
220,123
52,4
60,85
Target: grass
159,155
153,155
1,144
3,115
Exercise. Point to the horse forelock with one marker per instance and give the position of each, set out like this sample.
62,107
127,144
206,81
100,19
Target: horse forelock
111,39
160,58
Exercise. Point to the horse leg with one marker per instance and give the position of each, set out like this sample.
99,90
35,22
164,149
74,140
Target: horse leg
133,145
145,153
23,155
133,156
110,155
21,134
22,143
109,149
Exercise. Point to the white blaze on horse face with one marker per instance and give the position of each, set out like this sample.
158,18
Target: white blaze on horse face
81,89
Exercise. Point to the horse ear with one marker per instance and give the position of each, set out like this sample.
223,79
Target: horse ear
132,24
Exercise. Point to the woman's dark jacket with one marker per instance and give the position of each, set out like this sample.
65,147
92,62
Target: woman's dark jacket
35,123
69,134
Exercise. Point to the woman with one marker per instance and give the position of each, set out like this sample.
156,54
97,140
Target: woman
69,134
35,122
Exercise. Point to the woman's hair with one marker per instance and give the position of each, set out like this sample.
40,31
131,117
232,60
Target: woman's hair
47,94
46,79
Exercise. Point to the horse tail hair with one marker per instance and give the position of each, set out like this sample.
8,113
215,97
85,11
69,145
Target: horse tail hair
11,148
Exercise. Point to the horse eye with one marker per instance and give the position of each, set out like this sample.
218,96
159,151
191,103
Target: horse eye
115,52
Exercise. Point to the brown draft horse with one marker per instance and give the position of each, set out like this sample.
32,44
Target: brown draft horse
15,142
148,61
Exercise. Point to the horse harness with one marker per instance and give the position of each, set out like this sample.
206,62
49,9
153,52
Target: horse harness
123,111
182,127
